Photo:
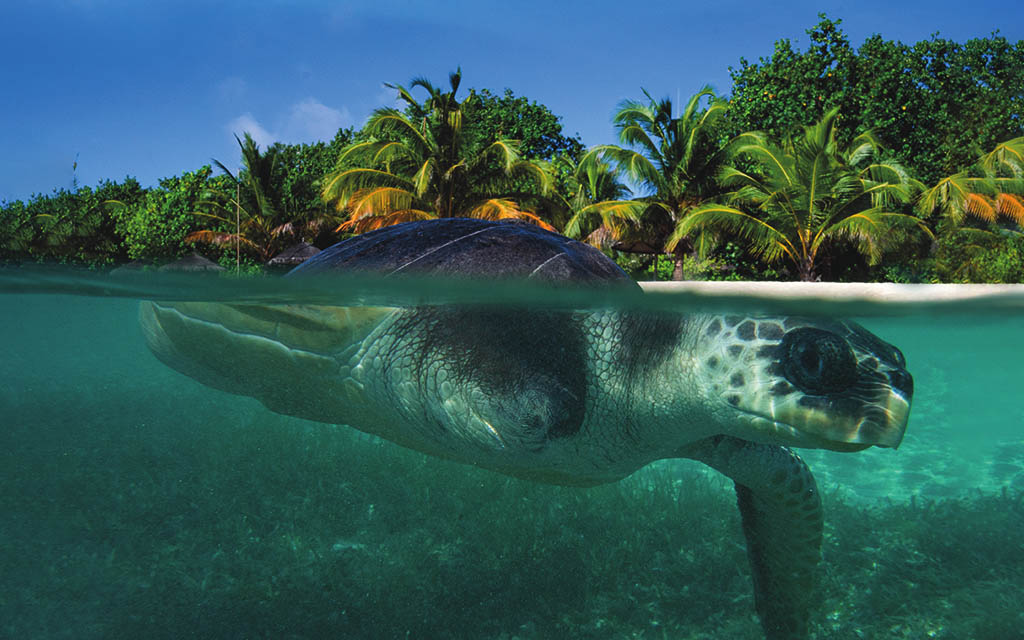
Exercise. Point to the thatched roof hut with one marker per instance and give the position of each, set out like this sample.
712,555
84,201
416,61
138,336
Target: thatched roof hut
293,255
192,262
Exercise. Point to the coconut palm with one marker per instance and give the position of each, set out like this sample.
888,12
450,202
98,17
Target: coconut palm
595,202
420,165
676,159
993,188
251,206
808,194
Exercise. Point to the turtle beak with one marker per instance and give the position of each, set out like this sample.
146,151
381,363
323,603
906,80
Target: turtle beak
884,427
881,422
875,414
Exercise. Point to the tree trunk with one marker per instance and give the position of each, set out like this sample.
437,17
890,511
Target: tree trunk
806,271
677,266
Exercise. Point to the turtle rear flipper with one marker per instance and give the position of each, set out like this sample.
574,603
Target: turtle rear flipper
782,521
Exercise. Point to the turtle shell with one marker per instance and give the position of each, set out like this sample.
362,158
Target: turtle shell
469,247
507,354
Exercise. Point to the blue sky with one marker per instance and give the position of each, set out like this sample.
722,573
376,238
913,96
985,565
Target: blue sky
153,88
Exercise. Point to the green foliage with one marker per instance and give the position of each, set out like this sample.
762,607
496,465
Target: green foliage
299,172
16,230
538,130
428,163
154,226
66,226
974,255
779,94
676,158
808,195
990,190
933,103
591,200
271,202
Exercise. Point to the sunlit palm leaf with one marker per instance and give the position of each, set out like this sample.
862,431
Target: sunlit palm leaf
499,209
765,239
1011,206
979,206
613,215
1007,157
341,186
370,223
380,201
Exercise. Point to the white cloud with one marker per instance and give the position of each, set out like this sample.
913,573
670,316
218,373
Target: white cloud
311,120
307,121
245,123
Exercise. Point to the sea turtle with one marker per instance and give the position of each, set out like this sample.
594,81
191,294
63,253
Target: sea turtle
566,397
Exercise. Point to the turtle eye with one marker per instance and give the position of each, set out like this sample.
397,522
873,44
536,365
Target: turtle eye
817,361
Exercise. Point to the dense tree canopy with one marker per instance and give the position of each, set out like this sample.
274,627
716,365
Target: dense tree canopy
538,130
70,225
934,103
154,225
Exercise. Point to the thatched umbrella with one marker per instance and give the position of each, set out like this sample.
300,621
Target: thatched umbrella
293,255
135,266
192,262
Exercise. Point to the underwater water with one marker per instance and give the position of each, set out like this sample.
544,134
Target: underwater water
138,503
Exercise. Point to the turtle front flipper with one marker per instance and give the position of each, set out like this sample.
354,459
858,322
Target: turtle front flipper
782,521
295,359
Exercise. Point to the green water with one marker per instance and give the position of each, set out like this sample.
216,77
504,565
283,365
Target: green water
136,503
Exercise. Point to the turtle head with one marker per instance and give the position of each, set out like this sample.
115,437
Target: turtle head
807,382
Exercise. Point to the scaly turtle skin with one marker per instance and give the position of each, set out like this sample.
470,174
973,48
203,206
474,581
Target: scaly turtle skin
576,398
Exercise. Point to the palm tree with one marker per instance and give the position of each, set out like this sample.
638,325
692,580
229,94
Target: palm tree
807,195
252,207
420,165
993,188
595,203
676,159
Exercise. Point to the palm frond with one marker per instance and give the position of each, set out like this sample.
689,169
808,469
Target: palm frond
873,230
219,238
1011,206
340,186
614,215
371,223
380,201
388,122
1008,154
502,209
403,93
633,164
506,152
765,240
979,206
423,179
772,159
